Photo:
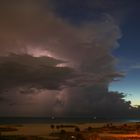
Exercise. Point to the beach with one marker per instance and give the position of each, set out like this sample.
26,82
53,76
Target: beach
89,131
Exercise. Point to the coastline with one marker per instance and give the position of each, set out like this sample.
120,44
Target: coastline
58,131
45,129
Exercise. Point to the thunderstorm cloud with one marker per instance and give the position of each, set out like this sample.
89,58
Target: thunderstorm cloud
30,27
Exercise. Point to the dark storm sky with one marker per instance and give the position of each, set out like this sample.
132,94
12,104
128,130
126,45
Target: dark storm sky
127,14
96,42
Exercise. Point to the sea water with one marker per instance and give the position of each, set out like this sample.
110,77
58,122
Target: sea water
43,120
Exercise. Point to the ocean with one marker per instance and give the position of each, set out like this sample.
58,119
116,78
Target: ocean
49,120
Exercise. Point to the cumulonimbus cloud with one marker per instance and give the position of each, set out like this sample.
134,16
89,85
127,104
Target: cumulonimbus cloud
87,48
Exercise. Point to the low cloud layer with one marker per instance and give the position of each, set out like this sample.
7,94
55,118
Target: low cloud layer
32,72
32,27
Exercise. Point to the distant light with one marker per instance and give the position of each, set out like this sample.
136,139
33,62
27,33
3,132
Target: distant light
95,118
39,52
52,117
62,65
73,137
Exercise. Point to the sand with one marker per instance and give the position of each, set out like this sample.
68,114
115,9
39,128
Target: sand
45,129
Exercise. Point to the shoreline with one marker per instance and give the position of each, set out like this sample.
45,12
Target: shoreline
45,129
85,131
